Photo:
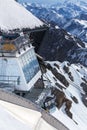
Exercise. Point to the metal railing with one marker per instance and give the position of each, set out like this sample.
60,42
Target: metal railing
9,80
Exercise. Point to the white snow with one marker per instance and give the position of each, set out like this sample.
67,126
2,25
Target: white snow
56,27
14,16
65,120
79,111
66,37
14,117
10,121
82,22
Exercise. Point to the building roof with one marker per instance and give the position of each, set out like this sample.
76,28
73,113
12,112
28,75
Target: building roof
15,16
35,117
12,118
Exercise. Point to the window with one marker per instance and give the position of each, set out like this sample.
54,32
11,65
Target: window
29,64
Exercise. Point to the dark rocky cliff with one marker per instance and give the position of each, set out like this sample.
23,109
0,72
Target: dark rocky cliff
59,45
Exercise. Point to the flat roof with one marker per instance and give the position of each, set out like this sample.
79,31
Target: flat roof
15,16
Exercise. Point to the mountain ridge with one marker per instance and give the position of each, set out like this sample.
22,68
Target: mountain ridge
62,13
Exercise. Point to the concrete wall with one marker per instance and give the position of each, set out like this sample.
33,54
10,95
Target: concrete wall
12,98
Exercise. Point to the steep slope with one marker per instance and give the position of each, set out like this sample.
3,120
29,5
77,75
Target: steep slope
57,43
69,15
14,16
73,99
60,45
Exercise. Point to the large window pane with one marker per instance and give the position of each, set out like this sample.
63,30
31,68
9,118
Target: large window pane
29,64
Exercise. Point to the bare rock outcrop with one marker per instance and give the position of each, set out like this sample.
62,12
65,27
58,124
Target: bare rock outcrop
68,105
59,76
61,99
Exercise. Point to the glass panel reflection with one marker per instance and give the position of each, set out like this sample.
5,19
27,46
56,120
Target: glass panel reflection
29,64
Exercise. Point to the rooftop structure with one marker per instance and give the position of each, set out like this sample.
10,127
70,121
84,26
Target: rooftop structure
19,67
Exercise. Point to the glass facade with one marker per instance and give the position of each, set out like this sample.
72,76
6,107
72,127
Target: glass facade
9,71
29,64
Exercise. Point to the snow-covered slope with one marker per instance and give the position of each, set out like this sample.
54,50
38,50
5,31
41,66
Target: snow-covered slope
76,75
14,16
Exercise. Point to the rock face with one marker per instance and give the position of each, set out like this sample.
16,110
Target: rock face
68,105
55,46
61,99
75,99
84,99
84,86
59,76
66,69
58,45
